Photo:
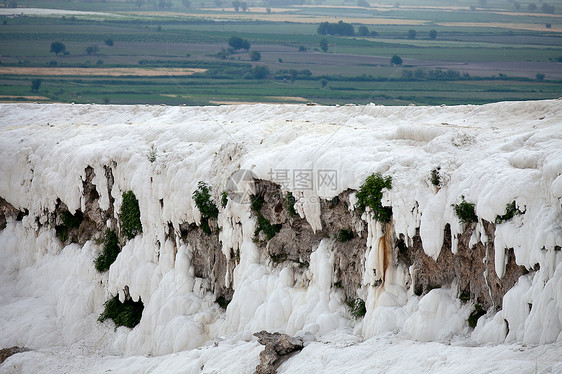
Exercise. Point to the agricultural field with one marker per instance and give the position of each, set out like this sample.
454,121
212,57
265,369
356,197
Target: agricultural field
177,52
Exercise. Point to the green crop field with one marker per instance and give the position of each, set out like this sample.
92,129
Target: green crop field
479,52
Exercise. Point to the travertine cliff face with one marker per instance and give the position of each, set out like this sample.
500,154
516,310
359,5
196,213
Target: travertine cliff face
289,259
470,271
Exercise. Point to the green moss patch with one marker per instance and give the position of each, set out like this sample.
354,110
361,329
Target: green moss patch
370,195
110,251
130,215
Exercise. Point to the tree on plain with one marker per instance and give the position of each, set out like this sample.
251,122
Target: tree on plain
324,45
433,34
294,74
237,43
255,55
92,50
260,71
236,5
412,34
35,84
396,60
547,8
57,47
243,6
109,42
324,82
363,31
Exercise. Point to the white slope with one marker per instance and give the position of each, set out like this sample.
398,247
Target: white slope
494,154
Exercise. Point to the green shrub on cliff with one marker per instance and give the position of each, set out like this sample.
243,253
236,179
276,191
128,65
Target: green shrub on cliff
510,211
110,251
344,235
126,314
130,215
202,198
290,201
208,209
465,211
370,195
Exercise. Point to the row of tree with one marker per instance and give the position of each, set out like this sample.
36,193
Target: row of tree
59,47
340,28
545,8
346,29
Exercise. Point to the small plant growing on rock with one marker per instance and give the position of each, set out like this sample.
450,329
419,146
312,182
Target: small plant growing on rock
62,232
278,257
464,297
475,315
222,301
70,220
205,226
510,211
465,211
110,251
290,203
357,307
263,223
152,154
126,314
257,202
130,215
436,177
370,195
268,229
224,199
344,235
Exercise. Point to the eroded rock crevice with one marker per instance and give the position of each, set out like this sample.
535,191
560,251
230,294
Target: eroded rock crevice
296,240
81,226
471,268
208,260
